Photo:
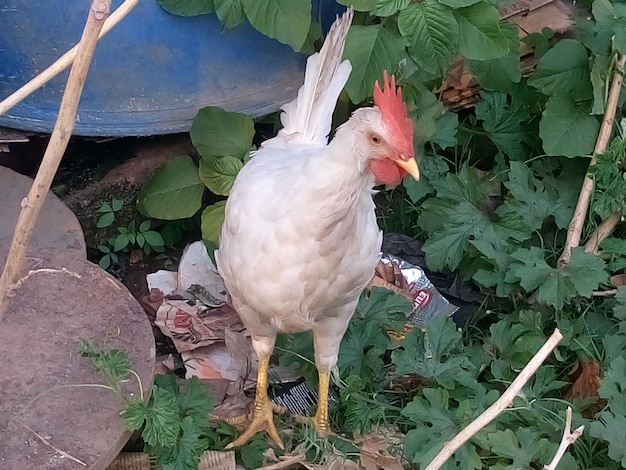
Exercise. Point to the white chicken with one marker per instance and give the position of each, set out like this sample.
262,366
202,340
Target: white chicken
300,240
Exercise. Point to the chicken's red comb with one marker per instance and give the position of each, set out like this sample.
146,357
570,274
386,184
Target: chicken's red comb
394,114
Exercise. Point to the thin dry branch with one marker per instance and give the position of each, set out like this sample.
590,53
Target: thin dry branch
569,438
500,405
64,61
575,228
31,206
285,462
47,443
602,232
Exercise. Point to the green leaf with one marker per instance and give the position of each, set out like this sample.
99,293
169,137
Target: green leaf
389,7
144,226
501,73
121,242
435,125
212,220
433,33
162,423
564,70
287,21
480,36
105,220
504,120
174,191
434,355
218,133
218,174
371,50
584,273
154,238
141,240
117,204
186,7
611,428
229,12
620,308
431,168
359,5
105,207
567,129
532,198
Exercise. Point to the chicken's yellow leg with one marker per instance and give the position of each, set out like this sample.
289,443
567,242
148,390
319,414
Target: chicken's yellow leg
320,421
263,418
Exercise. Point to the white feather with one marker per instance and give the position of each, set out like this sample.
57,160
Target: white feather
308,118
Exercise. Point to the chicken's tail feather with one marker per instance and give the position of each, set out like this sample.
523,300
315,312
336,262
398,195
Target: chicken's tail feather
308,118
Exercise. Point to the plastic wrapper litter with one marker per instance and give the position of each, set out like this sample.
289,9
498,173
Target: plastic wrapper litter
427,300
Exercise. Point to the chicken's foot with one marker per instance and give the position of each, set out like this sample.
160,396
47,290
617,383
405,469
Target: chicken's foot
263,416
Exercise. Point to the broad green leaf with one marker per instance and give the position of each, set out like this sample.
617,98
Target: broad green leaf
433,34
154,238
105,220
584,273
287,21
389,7
431,168
598,74
117,204
566,128
359,5
371,50
501,73
480,36
218,174
534,200
187,7
611,428
504,119
620,308
212,220
229,12
219,133
435,124
174,191
620,35
564,70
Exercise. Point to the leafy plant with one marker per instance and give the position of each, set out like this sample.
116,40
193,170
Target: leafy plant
141,236
173,422
108,211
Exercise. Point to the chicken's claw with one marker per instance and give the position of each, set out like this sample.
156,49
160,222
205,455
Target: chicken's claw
263,417
262,420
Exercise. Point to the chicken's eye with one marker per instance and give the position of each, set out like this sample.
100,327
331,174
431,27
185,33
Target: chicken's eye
375,139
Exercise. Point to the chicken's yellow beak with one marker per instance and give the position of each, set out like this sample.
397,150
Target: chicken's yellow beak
410,166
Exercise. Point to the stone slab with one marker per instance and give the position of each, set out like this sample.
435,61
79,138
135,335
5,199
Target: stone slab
47,387
57,226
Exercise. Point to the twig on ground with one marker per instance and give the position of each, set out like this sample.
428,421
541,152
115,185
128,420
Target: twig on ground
286,462
500,405
62,62
602,232
575,228
47,443
569,438
59,139
604,293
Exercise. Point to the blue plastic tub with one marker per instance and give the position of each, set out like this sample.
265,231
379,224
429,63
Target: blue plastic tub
150,74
